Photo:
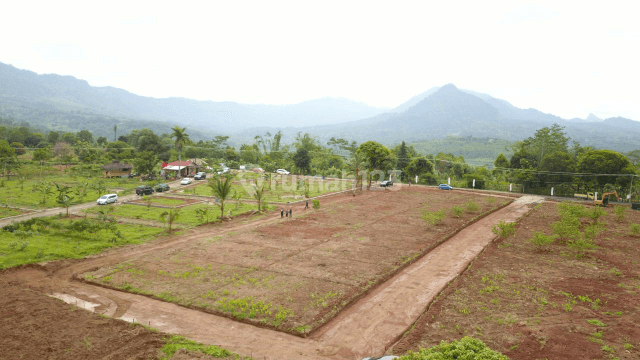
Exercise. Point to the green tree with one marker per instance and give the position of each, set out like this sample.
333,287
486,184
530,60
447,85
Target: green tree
501,161
86,136
302,160
356,164
259,196
419,167
41,155
221,189
145,162
403,160
606,162
169,217
63,198
7,157
45,188
20,149
181,139
378,157
100,187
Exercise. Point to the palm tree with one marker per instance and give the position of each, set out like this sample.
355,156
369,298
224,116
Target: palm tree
181,137
356,164
259,196
222,190
169,216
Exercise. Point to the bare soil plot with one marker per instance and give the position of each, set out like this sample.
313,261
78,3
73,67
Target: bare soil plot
556,303
36,326
296,274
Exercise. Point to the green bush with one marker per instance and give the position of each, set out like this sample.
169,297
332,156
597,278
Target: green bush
566,209
620,212
435,217
541,241
567,228
634,229
472,207
457,211
316,204
504,230
466,348
596,213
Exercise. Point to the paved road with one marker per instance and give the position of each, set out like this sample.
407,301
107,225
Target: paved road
72,209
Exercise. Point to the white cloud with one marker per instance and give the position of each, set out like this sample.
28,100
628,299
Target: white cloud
567,58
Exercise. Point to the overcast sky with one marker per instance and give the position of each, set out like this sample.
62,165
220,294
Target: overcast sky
565,58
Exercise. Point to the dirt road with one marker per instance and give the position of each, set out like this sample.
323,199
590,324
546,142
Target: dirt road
72,209
368,327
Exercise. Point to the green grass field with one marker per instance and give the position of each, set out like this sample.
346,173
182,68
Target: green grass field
283,192
24,193
6,212
187,215
165,201
48,243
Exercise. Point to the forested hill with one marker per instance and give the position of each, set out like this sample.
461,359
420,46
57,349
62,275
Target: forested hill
65,103
50,99
449,111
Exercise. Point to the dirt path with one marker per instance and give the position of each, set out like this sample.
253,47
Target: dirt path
368,327
72,209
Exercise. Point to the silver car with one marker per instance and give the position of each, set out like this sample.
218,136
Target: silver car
107,199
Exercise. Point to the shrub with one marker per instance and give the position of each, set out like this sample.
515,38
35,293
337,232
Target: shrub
596,213
566,209
620,212
472,207
504,230
457,211
567,228
634,229
541,241
435,217
316,204
465,348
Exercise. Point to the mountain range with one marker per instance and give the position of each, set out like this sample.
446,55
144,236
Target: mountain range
65,103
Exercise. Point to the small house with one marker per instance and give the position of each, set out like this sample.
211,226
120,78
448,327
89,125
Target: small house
117,169
181,168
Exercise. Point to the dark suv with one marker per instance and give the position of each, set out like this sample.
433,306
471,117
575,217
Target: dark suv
162,188
386,183
144,190
200,176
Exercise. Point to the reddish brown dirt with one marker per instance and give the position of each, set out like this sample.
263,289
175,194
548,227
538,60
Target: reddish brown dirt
36,326
212,329
308,267
525,303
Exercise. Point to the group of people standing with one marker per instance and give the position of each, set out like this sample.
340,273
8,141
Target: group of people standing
289,213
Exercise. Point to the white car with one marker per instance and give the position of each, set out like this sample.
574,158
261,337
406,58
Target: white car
282,172
186,181
107,199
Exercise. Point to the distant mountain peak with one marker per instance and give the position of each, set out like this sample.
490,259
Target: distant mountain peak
592,118
448,88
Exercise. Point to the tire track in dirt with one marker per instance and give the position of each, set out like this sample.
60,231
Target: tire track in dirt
368,327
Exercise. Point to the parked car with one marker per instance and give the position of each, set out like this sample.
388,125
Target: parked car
200,176
224,170
282,172
144,190
162,188
186,181
386,183
445,187
107,199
